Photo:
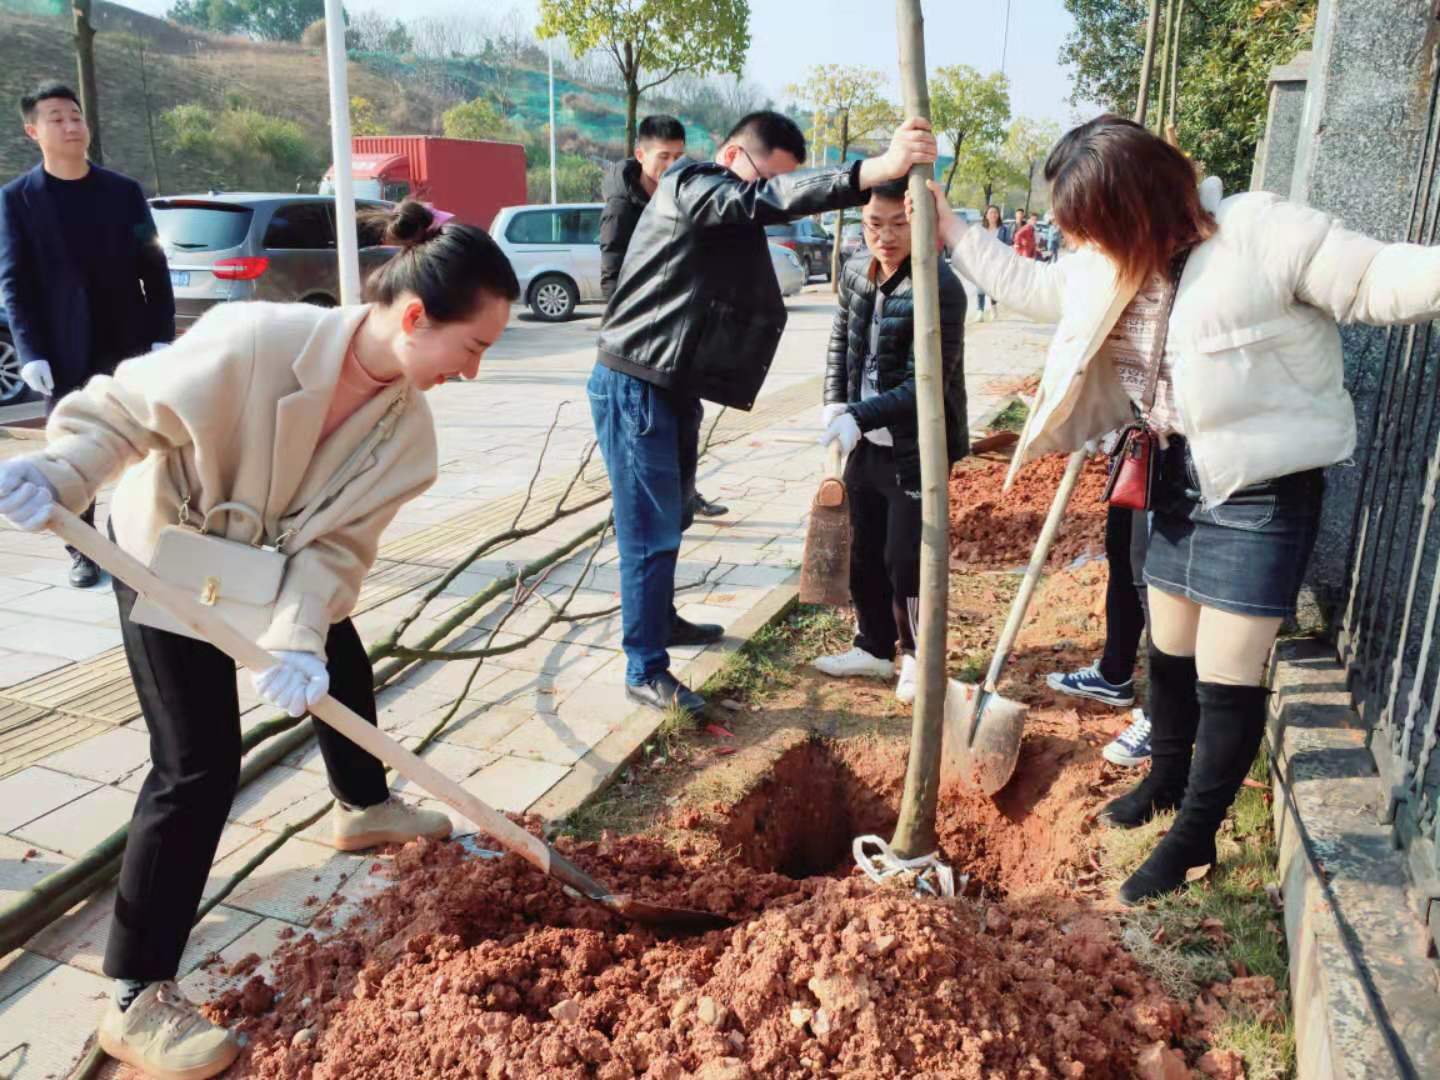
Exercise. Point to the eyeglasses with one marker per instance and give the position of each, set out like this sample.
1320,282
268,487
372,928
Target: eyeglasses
880,229
758,171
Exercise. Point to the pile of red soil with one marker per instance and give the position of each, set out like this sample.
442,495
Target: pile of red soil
480,968
991,529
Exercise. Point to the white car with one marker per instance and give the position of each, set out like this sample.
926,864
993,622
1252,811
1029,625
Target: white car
555,251
789,271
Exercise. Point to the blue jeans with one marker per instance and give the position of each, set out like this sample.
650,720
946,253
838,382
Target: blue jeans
650,441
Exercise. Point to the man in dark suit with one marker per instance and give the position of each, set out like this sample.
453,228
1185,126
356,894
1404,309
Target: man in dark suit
82,275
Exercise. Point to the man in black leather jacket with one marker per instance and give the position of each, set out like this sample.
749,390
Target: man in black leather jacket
870,410
697,314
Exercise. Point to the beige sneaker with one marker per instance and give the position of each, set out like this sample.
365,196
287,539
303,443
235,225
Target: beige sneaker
389,822
165,1036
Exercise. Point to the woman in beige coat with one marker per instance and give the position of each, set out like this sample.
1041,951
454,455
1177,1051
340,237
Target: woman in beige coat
1250,403
261,405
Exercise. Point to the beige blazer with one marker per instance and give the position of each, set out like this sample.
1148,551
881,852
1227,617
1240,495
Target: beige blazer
238,403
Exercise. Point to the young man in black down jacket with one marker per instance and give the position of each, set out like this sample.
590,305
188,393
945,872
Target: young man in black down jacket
870,409
697,314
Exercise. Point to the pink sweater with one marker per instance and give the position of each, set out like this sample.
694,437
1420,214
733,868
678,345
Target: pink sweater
355,388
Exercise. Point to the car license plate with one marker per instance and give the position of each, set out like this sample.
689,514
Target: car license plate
179,279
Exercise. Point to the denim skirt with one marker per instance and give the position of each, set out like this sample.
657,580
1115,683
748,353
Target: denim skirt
1246,555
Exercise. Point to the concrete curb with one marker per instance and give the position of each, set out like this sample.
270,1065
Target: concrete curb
1363,987
593,773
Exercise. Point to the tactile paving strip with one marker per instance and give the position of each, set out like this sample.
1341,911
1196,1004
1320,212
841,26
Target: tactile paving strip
28,734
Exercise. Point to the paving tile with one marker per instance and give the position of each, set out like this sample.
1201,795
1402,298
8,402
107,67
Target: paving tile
72,640
512,784
16,667
480,726
78,826
447,679
46,1025
34,792
19,872
297,872
17,971
561,739
456,762
261,938
106,757
278,797
88,606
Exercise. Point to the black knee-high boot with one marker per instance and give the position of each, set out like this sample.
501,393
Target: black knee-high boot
1174,714
1232,723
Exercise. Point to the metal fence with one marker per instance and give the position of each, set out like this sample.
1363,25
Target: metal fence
1388,638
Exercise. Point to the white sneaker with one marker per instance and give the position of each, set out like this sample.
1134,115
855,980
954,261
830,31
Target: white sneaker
905,687
165,1036
855,662
390,822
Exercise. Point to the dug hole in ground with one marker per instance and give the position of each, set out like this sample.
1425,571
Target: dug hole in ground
461,966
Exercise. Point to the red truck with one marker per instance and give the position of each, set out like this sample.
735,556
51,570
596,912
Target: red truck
470,178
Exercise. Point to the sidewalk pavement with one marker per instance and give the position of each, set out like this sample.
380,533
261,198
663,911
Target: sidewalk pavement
538,730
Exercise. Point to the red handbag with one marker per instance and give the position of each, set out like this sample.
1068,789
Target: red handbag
1136,457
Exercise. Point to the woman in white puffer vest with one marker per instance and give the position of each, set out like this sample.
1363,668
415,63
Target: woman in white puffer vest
1251,406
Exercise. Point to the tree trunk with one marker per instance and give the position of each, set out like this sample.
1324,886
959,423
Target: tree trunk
840,219
950,176
915,830
1147,65
85,64
1164,66
632,98
1029,187
150,120
989,193
1175,65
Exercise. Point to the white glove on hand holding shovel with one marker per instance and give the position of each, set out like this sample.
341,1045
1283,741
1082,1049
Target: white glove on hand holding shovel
294,684
26,497
37,375
843,427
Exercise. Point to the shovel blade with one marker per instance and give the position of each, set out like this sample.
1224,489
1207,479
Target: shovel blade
987,762
825,566
662,917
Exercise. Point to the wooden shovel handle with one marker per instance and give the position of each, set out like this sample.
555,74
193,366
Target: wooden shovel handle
834,460
210,626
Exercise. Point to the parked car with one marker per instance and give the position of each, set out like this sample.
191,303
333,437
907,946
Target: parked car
852,240
971,215
228,246
556,254
12,387
809,241
788,270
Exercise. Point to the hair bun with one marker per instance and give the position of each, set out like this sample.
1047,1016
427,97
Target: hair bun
408,224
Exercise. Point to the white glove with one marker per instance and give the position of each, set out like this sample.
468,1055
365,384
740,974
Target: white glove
26,497
829,412
294,684
156,346
36,375
844,428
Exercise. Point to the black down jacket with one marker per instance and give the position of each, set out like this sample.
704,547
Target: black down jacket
697,310
625,201
894,406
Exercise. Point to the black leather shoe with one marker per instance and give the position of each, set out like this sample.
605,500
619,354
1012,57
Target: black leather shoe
705,508
84,574
683,632
665,691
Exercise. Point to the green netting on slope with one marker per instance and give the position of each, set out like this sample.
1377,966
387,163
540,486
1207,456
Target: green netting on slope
34,7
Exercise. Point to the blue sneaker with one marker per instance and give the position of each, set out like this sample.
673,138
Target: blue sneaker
1089,683
1132,746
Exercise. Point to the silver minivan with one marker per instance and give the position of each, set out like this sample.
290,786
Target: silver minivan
556,254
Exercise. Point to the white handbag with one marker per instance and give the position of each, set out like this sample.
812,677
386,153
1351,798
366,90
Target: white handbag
242,581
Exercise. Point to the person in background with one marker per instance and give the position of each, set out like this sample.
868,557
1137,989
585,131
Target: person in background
697,314
626,189
1007,231
1250,408
258,408
870,410
82,275
1024,241
992,224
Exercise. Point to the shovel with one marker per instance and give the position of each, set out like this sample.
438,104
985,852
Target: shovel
203,621
825,566
982,727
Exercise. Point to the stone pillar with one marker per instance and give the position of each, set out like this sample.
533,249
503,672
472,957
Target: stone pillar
1361,130
1275,156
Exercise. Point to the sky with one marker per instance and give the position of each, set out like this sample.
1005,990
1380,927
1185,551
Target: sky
788,36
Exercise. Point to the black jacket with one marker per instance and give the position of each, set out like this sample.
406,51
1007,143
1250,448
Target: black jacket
45,295
894,406
625,201
697,310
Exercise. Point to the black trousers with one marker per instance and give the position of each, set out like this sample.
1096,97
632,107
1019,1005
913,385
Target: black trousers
884,552
187,693
1127,539
88,516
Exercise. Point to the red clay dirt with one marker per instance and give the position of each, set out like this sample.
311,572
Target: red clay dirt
991,529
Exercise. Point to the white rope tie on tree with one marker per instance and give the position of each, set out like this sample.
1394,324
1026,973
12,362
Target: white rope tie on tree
932,877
